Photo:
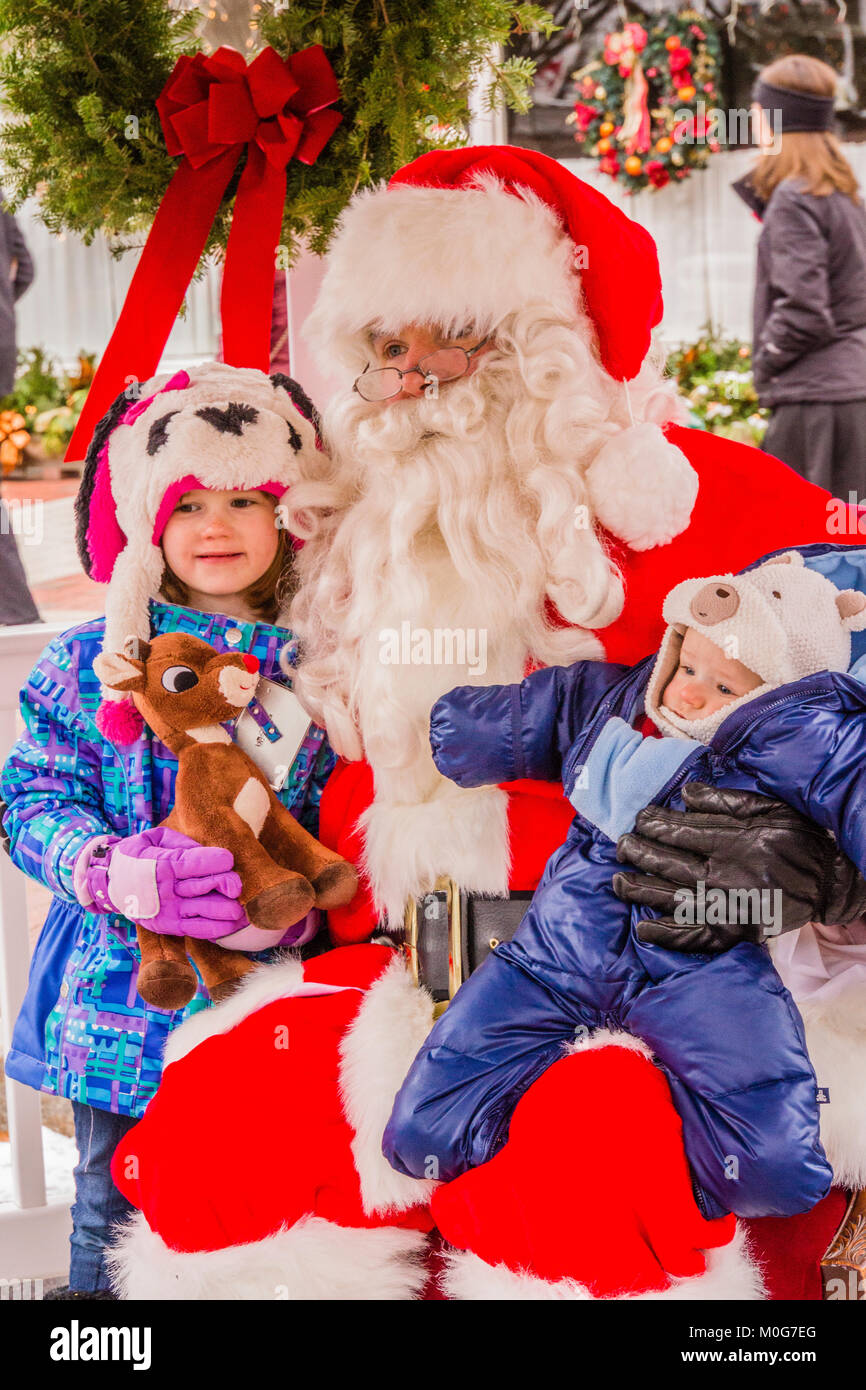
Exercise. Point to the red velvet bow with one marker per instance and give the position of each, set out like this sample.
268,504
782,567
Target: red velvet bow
213,109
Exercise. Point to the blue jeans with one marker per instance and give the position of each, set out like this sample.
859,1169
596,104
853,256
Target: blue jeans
98,1204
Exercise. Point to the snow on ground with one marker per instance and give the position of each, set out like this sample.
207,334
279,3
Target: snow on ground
61,1155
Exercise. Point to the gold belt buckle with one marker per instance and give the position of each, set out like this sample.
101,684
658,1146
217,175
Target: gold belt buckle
455,934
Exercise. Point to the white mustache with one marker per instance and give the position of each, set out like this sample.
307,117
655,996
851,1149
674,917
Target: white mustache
460,410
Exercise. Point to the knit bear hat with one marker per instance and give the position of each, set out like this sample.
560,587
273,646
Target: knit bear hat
782,620
214,426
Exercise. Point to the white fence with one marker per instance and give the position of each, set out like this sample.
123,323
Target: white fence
33,1234
705,235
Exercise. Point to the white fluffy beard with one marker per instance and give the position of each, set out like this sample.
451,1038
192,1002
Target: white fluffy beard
445,516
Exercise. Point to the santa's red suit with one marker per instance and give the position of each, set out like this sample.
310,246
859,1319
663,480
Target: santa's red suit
748,505
671,504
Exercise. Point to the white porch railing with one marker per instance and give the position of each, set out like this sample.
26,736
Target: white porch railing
33,1234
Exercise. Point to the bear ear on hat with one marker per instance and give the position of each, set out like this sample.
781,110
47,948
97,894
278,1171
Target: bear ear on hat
852,609
790,557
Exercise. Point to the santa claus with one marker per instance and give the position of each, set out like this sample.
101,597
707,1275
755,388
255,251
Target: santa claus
504,483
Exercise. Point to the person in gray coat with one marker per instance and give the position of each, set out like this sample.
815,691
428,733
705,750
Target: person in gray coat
16,275
809,343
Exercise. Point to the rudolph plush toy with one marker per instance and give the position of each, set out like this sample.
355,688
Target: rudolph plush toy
185,691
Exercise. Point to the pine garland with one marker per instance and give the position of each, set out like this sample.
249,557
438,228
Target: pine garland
73,74
80,79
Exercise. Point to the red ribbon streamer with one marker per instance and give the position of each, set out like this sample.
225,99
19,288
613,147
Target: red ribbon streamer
213,109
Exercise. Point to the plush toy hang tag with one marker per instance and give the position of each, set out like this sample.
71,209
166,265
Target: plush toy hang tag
271,730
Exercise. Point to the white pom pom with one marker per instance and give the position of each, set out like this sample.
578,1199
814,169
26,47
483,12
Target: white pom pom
642,488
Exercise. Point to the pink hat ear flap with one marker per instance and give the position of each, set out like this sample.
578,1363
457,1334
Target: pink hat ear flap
98,537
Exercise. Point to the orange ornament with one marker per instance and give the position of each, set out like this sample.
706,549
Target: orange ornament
604,146
664,144
687,93
633,165
606,128
671,43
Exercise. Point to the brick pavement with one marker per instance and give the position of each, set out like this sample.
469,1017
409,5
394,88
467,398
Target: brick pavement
59,586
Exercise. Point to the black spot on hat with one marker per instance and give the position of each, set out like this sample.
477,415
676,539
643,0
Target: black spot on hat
232,419
157,435
294,438
299,398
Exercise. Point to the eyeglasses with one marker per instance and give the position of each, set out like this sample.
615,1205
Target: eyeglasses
446,364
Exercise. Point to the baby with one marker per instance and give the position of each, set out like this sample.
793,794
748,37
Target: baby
705,680
748,690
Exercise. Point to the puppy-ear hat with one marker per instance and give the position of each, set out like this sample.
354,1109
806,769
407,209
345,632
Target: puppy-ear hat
215,426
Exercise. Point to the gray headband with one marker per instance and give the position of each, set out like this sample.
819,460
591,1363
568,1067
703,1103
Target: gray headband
789,110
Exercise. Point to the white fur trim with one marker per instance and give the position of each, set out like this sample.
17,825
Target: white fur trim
448,256
642,488
606,1037
463,834
730,1276
836,1039
312,1260
264,984
375,1056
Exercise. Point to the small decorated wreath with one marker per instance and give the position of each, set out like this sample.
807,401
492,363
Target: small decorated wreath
644,105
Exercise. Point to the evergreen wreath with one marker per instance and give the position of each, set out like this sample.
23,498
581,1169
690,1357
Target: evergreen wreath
642,104
80,79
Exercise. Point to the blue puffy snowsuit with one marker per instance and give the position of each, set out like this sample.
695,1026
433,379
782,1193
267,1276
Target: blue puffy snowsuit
723,1028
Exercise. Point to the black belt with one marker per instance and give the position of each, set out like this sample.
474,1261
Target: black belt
449,933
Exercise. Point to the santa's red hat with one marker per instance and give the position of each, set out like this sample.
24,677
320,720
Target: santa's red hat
465,238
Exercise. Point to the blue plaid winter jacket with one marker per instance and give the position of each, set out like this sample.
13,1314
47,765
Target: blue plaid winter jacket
83,1031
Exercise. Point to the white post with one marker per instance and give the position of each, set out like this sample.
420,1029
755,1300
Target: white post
33,1236
302,286
486,127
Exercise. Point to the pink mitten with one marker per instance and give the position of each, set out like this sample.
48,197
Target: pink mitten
164,880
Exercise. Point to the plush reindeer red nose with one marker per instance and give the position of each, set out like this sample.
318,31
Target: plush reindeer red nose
250,661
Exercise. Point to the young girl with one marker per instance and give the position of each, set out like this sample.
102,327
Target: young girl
177,511
810,286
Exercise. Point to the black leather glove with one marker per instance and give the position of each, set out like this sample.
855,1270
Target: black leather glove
733,840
